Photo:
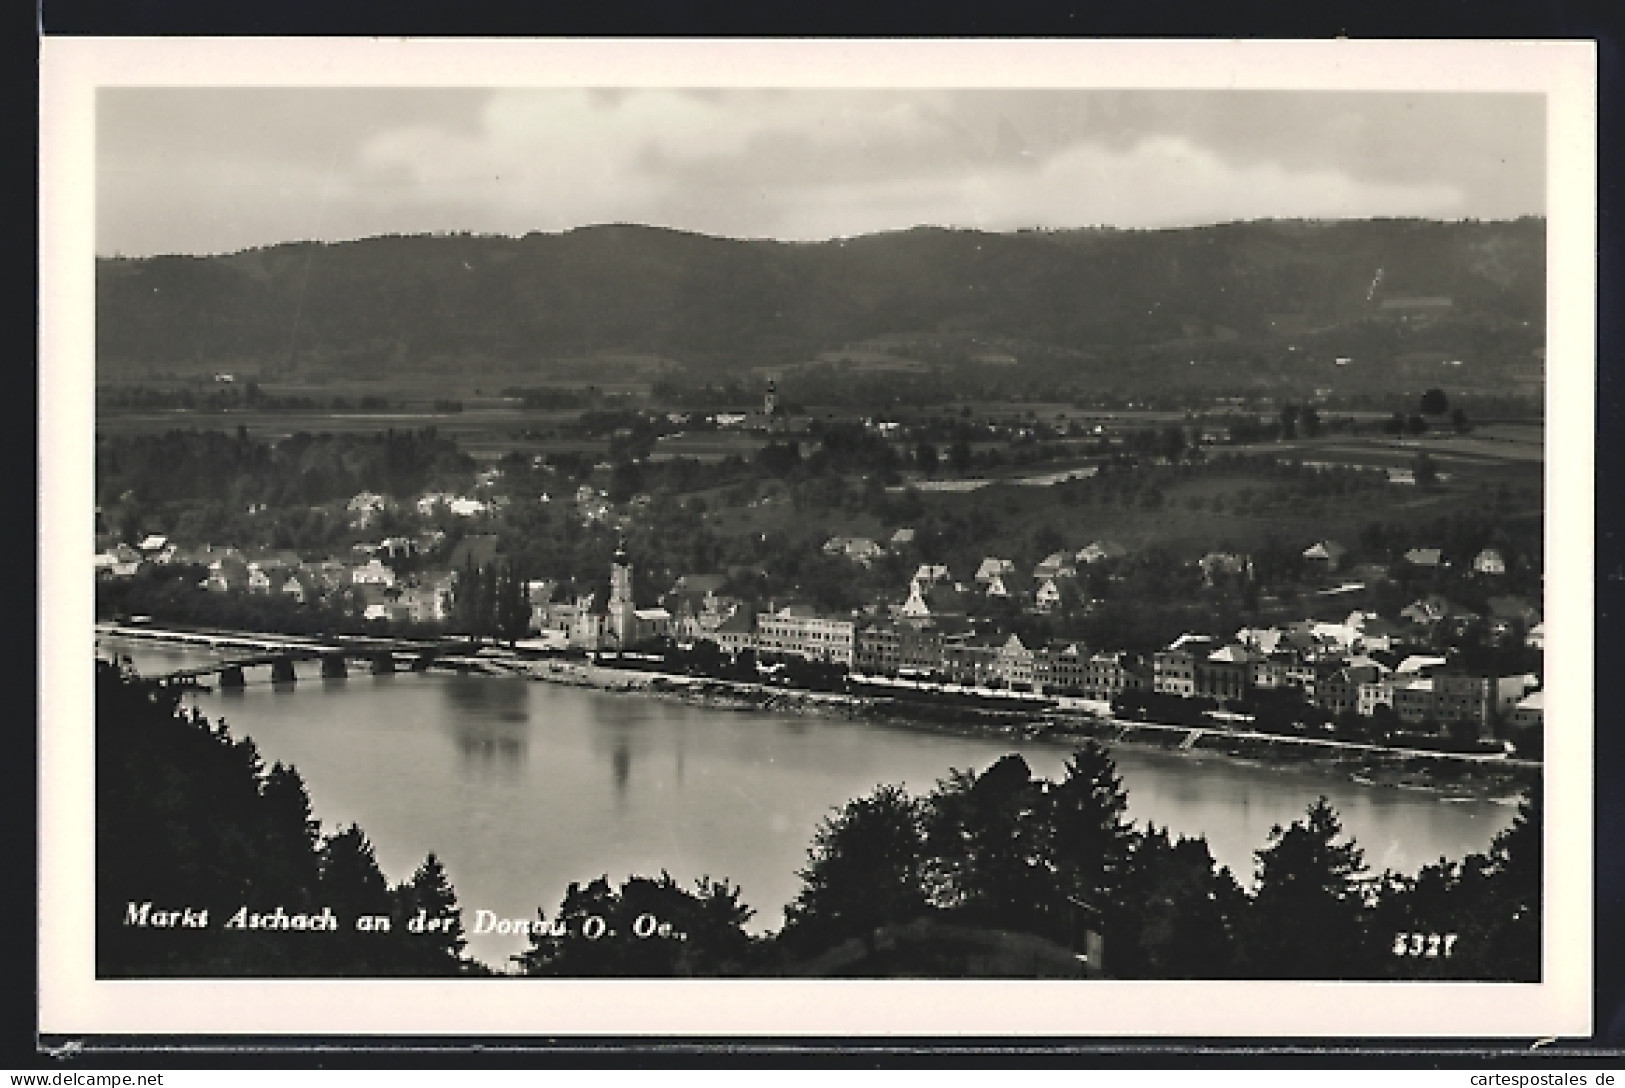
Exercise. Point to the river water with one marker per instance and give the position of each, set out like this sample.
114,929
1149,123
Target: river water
521,787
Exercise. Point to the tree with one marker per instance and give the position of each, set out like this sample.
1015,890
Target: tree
431,921
987,845
1307,916
1182,911
960,456
1459,420
864,871
1435,403
648,927
1092,838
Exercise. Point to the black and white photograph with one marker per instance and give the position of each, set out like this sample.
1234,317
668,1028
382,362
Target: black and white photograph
1093,518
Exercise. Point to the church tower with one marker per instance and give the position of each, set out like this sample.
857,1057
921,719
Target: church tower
770,402
622,611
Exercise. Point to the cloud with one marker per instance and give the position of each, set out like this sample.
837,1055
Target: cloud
190,173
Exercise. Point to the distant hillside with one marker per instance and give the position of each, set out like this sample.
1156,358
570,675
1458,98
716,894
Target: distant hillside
1065,301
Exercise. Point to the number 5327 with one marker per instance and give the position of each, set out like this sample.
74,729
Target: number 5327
1428,945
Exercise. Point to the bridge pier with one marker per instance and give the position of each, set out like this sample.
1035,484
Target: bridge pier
383,662
333,667
231,677
282,670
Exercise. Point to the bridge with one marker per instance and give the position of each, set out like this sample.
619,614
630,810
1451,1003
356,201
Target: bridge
280,654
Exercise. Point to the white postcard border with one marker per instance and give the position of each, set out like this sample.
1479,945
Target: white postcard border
72,1002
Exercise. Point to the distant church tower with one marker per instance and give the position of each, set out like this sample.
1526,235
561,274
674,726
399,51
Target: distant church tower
770,402
622,611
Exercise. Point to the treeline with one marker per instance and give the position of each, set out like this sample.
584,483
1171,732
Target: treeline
193,468
1009,851
221,398
190,820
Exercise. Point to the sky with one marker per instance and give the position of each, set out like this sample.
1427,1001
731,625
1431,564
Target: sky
216,170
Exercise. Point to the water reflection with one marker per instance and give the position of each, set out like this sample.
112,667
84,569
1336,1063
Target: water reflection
487,720
620,762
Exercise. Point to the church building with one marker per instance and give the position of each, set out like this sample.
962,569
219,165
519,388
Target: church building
621,623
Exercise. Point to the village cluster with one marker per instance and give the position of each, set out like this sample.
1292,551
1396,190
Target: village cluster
1365,664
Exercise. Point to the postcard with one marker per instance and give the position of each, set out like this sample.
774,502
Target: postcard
864,538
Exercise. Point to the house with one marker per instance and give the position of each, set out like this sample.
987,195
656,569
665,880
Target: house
902,538
228,573
1489,561
1429,610
1464,699
1060,667
266,577
1510,690
1054,565
969,661
430,597
1013,664
1101,550
1216,564
1047,597
364,508
1424,557
302,586
1536,638
931,573
1402,476
1223,674
1174,668
1326,555
859,549
799,632
927,602
1007,585
374,572
466,508
991,568
1107,674
1530,711
1420,665
1413,699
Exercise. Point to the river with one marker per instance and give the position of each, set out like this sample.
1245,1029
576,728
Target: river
521,787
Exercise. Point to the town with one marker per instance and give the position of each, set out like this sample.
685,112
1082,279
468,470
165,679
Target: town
1393,637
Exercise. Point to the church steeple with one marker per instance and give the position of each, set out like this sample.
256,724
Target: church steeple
621,605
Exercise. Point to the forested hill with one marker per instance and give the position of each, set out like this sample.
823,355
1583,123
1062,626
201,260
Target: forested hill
718,306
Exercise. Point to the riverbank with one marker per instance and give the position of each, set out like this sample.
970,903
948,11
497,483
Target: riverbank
1449,776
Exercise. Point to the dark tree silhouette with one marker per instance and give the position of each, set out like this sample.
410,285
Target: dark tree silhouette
431,921
1183,911
1435,403
1091,837
863,872
987,838
188,817
1307,918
